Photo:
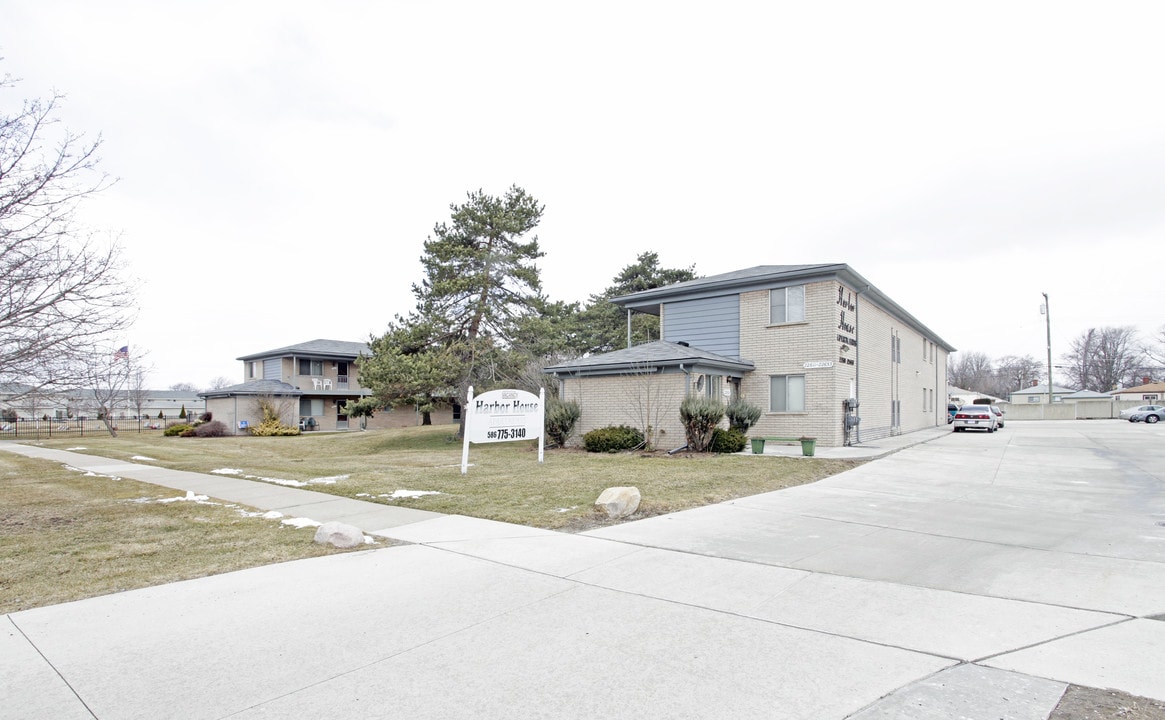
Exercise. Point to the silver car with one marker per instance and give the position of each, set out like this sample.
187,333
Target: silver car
976,417
1128,414
1149,416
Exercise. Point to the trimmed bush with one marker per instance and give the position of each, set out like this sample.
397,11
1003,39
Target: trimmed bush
273,428
176,429
742,415
561,418
700,415
612,439
727,441
214,428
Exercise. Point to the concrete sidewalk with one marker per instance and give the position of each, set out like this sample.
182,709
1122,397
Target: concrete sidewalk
972,576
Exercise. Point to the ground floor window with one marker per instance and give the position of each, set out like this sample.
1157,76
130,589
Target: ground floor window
787,393
311,406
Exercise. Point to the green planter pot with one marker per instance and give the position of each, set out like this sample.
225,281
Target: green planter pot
808,446
758,446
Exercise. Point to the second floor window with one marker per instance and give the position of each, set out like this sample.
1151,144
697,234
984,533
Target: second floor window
311,367
787,305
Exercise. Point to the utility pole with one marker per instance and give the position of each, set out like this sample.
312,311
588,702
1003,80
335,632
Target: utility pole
1048,317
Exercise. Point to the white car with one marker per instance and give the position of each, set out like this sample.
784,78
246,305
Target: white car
1128,414
976,417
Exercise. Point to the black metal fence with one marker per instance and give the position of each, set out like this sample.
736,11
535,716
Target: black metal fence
25,429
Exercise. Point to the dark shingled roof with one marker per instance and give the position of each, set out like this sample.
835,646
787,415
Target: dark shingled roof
326,349
658,354
254,387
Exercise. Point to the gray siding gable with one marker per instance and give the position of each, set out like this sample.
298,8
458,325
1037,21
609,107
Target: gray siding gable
711,324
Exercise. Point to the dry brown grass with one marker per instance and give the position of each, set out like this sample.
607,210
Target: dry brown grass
505,481
68,535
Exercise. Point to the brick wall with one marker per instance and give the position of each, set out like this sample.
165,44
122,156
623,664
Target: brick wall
635,400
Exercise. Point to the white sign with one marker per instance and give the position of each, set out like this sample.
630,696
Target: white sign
503,416
818,364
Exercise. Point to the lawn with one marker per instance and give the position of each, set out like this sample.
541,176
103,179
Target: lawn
505,481
67,535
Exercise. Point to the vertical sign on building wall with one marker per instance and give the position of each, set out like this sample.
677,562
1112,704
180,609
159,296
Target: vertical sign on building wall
503,416
847,331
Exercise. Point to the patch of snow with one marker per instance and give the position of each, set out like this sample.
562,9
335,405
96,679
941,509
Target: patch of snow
278,481
143,457
77,448
565,510
190,496
329,480
363,494
227,471
410,494
301,522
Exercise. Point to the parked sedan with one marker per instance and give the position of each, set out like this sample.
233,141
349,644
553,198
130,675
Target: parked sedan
1128,414
998,415
1149,416
976,417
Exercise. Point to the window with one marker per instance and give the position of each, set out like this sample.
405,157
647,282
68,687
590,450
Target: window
311,406
787,305
311,367
787,393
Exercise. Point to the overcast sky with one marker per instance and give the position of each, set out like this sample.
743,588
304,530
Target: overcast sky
281,163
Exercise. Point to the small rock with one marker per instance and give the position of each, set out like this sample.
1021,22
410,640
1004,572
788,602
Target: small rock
339,535
618,502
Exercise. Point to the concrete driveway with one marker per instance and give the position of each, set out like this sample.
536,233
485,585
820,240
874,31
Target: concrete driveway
971,576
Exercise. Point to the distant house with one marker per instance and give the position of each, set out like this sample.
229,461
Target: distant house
814,346
309,384
18,401
959,396
1039,394
1148,393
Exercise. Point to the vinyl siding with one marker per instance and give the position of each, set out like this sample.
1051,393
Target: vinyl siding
711,324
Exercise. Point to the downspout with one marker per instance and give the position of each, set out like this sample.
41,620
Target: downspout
858,361
628,328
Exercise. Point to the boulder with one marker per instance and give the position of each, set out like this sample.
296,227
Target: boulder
339,535
618,502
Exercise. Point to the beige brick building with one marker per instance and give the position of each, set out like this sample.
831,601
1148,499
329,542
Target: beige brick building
816,347
309,384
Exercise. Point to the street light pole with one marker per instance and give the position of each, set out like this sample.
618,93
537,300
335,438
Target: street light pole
1048,318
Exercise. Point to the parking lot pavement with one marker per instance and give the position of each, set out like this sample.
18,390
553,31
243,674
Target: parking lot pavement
974,575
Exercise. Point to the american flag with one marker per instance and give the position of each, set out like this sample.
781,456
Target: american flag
122,353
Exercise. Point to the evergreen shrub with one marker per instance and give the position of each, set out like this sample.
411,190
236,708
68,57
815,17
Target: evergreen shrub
727,441
741,414
176,429
561,418
700,415
612,439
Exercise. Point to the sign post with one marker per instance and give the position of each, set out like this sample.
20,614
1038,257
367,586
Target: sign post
503,416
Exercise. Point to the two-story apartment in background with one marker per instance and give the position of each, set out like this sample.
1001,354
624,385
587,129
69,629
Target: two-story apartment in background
814,346
309,383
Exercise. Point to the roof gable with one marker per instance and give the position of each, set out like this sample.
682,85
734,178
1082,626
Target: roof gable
326,349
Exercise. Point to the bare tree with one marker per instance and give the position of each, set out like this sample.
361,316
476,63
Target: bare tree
650,398
136,393
219,383
61,290
108,376
1154,353
1014,372
970,371
1104,359
184,387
